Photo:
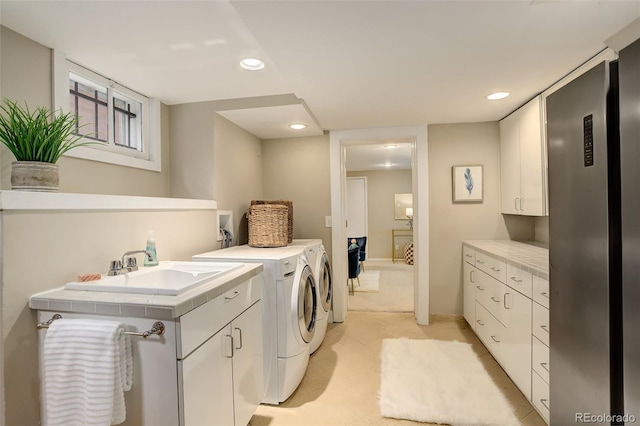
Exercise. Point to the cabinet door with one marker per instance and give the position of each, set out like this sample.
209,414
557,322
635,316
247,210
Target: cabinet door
517,344
469,296
510,163
248,380
207,382
532,195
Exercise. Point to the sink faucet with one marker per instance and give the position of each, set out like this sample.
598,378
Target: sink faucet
127,264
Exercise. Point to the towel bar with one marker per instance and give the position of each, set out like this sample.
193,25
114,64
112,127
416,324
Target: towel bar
158,328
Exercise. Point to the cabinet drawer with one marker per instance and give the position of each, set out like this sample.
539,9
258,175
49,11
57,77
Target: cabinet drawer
491,332
541,291
519,280
491,266
204,321
540,362
541,323
469,255
540,395
488,292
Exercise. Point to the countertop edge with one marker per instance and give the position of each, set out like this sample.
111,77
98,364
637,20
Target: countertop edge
156,306
478,245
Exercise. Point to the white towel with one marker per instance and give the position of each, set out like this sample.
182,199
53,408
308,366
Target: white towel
88,366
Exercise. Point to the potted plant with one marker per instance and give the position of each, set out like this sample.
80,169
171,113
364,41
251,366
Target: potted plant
37,140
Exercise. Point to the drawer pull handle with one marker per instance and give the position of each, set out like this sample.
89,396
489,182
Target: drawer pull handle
495,299
480,288
506,306
471,276
495,340
516,280
545,294
495,269
545,366
235,294
544,402
468,255
545,327
480,261
480,322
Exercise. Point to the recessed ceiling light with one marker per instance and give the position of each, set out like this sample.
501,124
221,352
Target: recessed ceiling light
498,95
297,126
391,146
252,64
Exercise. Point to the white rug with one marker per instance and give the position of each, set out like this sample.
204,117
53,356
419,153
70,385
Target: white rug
439,382
369,282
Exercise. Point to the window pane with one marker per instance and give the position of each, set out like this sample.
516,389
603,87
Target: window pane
127,122
89,104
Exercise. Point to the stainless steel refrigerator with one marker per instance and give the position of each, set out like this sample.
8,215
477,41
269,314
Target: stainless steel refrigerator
593,135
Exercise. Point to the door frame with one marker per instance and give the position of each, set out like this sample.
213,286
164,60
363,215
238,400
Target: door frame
338,141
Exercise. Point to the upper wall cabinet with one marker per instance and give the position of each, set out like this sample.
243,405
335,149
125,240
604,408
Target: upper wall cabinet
523,162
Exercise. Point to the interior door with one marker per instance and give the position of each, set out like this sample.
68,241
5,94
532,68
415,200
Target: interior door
356,206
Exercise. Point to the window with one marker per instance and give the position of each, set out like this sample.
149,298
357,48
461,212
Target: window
124,124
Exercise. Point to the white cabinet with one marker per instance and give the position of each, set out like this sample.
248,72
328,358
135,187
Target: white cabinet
469,298
219,379
499,305
207,367
523,162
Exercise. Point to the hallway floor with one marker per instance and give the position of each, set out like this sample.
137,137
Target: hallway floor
343,378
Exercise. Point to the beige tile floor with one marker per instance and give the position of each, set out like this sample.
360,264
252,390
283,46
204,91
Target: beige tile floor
342,381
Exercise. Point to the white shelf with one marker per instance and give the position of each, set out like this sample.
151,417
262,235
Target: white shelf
24,200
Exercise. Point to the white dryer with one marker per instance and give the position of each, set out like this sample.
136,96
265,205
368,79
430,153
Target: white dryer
289,313
319,261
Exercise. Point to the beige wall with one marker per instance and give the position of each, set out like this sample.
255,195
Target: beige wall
450,224
26,77
238,172
381,187
297,169
44,250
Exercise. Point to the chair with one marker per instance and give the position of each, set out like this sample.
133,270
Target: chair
362,243
353,256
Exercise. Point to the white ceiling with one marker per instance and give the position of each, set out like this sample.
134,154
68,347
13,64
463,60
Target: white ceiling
341,64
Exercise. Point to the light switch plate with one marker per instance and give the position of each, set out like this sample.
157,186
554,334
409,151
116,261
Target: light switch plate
327,221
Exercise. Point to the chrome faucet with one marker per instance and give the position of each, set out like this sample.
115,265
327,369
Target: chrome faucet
127,264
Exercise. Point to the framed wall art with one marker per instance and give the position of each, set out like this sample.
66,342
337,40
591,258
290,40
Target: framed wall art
467,184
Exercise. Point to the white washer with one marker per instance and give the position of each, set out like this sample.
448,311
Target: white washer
319,261
288,315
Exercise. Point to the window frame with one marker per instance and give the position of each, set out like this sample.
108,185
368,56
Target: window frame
149,158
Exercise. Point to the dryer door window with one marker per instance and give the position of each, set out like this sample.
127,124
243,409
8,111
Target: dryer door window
325,284
307,304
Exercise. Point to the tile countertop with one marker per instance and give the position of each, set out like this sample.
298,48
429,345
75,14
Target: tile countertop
141,305
527,256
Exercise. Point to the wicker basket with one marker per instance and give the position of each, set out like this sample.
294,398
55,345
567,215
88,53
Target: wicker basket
268,225
287,203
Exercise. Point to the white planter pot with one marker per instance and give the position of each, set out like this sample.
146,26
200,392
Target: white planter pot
34,176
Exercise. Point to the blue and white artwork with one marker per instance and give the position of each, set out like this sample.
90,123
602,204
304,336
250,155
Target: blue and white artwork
467,184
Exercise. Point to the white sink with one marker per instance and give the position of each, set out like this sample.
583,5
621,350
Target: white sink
168,278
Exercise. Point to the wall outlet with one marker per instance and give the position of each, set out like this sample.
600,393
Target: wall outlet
327,221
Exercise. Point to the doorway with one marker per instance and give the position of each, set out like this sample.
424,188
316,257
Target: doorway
339,140
385,280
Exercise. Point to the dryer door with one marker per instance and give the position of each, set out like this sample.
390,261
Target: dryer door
307,304
325,284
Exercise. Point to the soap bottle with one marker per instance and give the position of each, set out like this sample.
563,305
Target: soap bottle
151,248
